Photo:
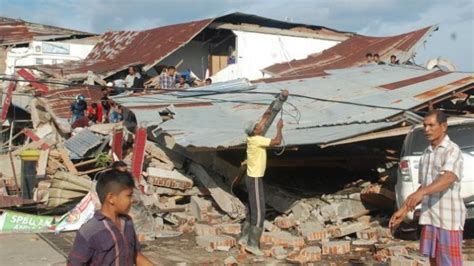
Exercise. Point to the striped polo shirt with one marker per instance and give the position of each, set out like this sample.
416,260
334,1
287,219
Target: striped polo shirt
446,209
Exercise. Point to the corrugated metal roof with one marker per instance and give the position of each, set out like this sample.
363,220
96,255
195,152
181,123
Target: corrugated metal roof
219,123
352,53
121,49
14,31
82,142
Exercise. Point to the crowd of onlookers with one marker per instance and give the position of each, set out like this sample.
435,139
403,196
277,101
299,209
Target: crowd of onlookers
168,79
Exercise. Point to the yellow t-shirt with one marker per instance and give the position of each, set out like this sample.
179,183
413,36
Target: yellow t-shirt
257,155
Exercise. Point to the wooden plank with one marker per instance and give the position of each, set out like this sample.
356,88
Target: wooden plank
42,163
138,152
32,80
86,162
7,101
92,171
67,162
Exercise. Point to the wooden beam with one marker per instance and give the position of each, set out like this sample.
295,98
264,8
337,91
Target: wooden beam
85,162
42,163
67,162
92,171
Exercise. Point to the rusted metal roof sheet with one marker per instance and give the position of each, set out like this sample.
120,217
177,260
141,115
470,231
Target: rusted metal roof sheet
20,32
121,49
352,53
323,117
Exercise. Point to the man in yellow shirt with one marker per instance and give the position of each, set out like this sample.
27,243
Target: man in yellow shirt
256,163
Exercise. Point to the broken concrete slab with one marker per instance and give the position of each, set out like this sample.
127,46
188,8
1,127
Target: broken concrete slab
368,234
228,203
311,254
343,209
155,151
279,252
285,222
231,229
206,230
283,239
231,261
301,211
200,208
379,197
336,247
270,227
170,179
312,231
348,229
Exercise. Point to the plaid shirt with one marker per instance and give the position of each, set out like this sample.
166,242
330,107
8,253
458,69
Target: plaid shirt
167,82
444,209
100,242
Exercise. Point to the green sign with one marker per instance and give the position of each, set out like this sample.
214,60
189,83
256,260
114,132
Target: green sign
11,221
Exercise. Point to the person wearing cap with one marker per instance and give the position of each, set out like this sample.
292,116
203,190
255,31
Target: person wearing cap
256,164
78,108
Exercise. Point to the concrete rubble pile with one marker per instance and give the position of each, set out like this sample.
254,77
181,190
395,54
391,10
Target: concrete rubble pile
172,200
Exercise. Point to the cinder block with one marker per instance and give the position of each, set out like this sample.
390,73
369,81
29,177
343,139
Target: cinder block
200,208
219,242
336,247
206,230
279,253
231,229
348,229
311,254
285,222
368,234
170,179
313,231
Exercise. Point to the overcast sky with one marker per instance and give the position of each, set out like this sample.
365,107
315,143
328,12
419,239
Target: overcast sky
453,40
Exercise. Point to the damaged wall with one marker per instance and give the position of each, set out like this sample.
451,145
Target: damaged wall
256,51
45,53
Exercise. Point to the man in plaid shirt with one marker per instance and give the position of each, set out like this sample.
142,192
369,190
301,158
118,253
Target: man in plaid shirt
167,79
442,208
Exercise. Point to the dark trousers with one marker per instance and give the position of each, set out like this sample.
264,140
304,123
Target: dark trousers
256,212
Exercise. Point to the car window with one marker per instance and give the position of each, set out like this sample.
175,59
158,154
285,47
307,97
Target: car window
462,135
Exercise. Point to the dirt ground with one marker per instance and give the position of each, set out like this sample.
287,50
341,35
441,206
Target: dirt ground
183,250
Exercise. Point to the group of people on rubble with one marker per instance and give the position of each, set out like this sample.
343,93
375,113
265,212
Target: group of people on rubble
169,79
104,111
374,59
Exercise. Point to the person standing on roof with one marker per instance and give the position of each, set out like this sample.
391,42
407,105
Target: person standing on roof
443,212
78,108
256,164
167,78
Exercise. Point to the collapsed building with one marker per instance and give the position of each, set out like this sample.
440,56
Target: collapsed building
343,121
